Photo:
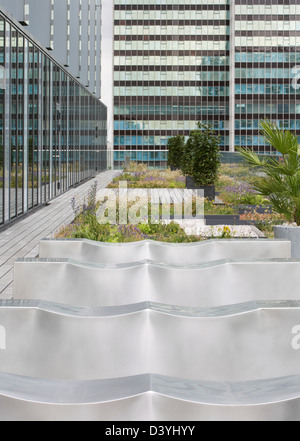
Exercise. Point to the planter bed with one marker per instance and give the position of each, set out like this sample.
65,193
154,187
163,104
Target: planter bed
215,219
244,209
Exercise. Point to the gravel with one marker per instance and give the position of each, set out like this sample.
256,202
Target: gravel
198,228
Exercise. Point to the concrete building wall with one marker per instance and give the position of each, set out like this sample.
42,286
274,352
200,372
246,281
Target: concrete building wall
69,29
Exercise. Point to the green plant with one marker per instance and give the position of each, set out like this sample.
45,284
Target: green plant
280,180
175,150
201,157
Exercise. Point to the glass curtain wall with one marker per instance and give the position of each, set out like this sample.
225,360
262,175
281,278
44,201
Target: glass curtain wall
2,114
267,58
171,70
48,121
230,63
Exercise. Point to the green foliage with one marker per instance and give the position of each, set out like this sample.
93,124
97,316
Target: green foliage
150,178
280,180
175,150
87,227
201,158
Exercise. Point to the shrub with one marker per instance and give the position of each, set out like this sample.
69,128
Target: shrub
201,157
175,151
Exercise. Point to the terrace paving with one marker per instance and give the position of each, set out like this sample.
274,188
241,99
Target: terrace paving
21,239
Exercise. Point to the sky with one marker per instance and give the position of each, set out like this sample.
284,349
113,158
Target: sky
107,63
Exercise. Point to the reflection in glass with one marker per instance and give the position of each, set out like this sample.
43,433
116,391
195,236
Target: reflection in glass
14,124
2,91
46,139
20,123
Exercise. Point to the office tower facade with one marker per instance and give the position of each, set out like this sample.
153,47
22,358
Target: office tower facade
229,63
52,128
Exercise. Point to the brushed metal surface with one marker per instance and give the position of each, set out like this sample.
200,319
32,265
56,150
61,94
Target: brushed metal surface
173,254
148,398
152,332
208,284
233,343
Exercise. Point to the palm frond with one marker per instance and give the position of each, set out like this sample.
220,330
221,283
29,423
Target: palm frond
284,141
249,156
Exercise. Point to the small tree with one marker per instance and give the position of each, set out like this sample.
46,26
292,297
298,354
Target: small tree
201,157
175,151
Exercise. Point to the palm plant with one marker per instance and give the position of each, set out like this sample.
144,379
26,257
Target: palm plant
280,179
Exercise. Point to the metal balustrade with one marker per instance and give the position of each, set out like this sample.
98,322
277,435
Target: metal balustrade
232,362
173,254
237,343
148,398
222,282
151,331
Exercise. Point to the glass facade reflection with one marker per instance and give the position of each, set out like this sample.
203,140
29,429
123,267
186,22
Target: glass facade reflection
52,130
226,62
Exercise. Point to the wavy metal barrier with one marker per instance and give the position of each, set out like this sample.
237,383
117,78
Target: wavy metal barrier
206,284
233,362
148,398
173,254
151,331
218,344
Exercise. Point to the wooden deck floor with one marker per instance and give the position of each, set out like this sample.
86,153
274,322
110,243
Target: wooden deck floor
22,238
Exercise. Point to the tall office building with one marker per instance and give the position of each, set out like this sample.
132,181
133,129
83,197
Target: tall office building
230,63
53,127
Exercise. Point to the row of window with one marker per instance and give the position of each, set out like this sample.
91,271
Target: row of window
160,46
171,76
266,89
151,110
273,41
253,124
150,60
268,108
214,60
267,25
187,29
187,13
173,3
204,14
171,91
240,8
132,140
158,158
215,29
250,140
240,124
240,89
267,57
166,125
290,8
251,108
264,73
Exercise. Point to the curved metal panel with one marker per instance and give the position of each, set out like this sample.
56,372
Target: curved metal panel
237,343
151,331
173,254
207,284
148,398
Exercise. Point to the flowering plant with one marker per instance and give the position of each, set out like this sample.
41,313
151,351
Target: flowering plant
241,193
